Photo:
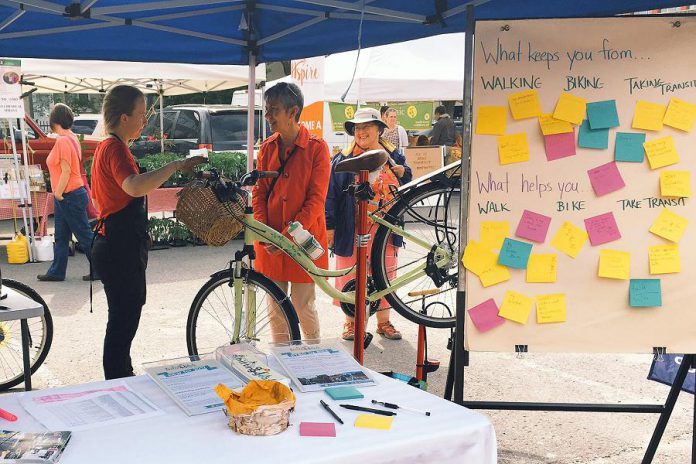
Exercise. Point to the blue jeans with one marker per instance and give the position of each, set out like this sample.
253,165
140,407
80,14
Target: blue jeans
70,218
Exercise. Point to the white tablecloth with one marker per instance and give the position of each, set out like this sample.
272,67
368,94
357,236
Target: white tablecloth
451,434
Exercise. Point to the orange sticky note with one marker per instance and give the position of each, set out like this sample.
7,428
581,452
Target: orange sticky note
491,120
550,126
669,225
661,152
614,264
664,259
675,184
541,268
513,148
516,307
680,115
551,308
648,116
524,104
569,239
570,108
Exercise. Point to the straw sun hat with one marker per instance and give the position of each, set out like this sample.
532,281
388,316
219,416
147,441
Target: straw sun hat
364,115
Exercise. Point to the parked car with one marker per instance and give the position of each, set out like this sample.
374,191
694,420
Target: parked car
186,127
89,124
40,144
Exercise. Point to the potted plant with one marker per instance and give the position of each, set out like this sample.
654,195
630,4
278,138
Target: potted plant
159,233
179,233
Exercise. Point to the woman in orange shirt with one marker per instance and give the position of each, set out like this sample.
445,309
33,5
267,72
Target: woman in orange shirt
120,246
69,194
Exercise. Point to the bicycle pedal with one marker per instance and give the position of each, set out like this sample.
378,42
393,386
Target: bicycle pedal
367,340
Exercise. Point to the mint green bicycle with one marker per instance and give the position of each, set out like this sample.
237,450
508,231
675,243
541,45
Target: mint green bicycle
239,304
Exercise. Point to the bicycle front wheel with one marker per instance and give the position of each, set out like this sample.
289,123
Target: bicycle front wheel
40,338
429,212
266,314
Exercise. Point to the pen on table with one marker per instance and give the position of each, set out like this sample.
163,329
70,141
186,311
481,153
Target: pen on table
373,411
335,416
7,415
396,406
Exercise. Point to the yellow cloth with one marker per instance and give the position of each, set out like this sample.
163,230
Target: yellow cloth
256,393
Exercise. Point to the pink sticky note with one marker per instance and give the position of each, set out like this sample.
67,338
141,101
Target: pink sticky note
602,229
559,145
485,316
606,178
533,226
317,429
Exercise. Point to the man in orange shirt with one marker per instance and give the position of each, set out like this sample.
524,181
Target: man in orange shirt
299,194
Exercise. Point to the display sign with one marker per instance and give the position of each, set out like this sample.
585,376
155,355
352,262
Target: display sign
308,74
409,115
424,160
342,112
10,89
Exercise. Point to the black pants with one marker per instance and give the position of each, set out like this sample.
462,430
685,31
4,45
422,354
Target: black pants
121,262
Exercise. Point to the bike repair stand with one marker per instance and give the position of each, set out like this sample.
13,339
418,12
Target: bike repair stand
363,193
424,366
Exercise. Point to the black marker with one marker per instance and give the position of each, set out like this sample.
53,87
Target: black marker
335,416
396,406
373,411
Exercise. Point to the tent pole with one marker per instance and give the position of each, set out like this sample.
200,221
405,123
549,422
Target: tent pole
458,351
161,105
251,95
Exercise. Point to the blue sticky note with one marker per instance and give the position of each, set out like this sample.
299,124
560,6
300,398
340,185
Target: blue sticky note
644,293
514,253
602,115
343,393
629,147
589,138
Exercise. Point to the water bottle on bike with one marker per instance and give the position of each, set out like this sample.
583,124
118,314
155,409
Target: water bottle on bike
305,240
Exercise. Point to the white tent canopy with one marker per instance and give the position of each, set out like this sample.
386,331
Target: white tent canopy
425,69
88,76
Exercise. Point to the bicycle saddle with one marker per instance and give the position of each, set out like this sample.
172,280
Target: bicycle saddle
369,161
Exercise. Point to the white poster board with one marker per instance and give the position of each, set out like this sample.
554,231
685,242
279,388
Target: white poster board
10,89
626,60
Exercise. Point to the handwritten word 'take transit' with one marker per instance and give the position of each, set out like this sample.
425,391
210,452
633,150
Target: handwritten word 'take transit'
650,202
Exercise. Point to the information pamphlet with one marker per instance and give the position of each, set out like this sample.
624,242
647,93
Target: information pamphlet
82,408
40,447
192,383
247,363
319,366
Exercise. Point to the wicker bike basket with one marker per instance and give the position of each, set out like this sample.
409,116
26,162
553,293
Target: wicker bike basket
214,221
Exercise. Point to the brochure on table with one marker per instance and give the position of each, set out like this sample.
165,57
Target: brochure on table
314,367
26,447
191,383
248,363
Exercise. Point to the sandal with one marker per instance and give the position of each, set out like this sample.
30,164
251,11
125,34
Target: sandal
348,331
387,330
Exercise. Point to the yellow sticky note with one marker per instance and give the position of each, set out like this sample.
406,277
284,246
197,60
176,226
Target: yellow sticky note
669,225
614,264
493,233
569,239
570,108
648,115
494,274
664,259
661,152
550,126
373,421
525,104
491,120
484,263
675,184
513,148
680,115
516,307
550,308
541,268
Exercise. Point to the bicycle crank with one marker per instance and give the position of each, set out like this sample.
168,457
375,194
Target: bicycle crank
349,308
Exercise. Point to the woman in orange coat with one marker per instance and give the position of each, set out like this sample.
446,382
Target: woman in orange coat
299,194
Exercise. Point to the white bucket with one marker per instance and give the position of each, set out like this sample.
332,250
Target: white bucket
43,249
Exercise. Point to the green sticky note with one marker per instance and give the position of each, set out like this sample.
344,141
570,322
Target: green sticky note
343,393
602,115
514,253
645,293
589,138
629,147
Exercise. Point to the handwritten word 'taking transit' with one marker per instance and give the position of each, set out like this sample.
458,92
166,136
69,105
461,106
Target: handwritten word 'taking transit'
650,202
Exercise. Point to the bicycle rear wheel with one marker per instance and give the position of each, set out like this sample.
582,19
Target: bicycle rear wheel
431,213
212,320
40,339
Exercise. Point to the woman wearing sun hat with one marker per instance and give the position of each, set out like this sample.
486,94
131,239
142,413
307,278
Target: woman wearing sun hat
366,128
